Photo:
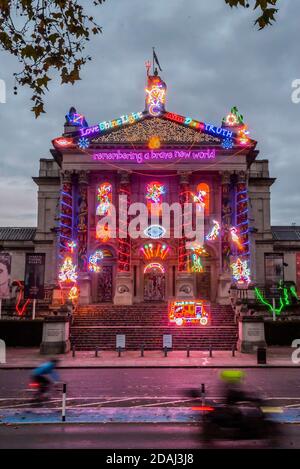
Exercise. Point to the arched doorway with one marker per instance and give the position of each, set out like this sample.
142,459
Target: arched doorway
154,282
103,279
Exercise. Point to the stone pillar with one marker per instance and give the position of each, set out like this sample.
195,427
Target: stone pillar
82,230
242,219
185,279
56,332
251,334
124,281
225,276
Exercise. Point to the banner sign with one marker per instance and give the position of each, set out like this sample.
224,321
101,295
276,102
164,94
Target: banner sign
34,276
151,156
5,272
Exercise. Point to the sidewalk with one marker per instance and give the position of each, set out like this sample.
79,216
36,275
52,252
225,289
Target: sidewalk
30,357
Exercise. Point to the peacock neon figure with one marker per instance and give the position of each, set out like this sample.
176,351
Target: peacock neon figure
215,231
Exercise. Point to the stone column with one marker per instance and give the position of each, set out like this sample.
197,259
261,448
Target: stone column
184,280
82,229
242,218
124,281
225,275
66,214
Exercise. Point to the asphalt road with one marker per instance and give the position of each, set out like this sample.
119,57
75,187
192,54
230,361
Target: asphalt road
128,436
149,386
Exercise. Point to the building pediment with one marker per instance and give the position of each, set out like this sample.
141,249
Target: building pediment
167,131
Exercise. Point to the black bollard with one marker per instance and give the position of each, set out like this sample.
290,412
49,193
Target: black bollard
64,401
73,351
210,351
142,350
203,394
188,351
166,351
96,351
233,350
119,351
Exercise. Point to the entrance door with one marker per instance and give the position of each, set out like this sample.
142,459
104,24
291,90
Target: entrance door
154,285
105,284
203,284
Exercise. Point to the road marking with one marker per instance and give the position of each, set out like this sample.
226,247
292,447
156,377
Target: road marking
169,402
104,402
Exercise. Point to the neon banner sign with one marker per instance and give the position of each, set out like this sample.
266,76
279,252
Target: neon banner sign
200,126
151,156
107,125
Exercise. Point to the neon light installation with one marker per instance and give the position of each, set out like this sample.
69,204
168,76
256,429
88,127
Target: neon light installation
204,190
199,198
235,237
215,232
234,118
154,142
155,95
243,135
72,245
241,272
64,142
227,144
185,313
197,263
151,250
94,260
73,293
155,231
75,119
154,265
146,156
83,143
107,125
154,193
21,310
104,196
68,271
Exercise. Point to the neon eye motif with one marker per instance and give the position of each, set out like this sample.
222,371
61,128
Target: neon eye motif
155,231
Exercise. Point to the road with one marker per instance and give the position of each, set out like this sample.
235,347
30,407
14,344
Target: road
138,389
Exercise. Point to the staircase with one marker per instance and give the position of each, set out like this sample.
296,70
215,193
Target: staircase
145,324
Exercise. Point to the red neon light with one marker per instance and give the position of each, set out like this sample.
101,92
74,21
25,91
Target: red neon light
204,408
23,309
63,142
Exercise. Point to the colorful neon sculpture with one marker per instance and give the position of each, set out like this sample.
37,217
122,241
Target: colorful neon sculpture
241,272
104,196
155,231
215,231
94,260
63,142
235,237
199,198
151,250
186,313
154,265
68,271
227,144
284,300
72,245
73,118
73,293
21,310
155,96
243,135
154,193
197,263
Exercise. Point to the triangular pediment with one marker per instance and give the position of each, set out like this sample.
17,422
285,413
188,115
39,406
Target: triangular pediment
168,132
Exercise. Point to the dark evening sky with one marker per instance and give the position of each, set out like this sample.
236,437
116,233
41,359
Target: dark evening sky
212,58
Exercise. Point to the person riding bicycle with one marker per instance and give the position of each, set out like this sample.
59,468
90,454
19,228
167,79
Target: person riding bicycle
45,374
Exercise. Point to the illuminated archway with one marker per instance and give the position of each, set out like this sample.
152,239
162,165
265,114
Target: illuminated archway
154,266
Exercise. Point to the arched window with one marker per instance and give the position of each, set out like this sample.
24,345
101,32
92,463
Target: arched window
203,192
104,197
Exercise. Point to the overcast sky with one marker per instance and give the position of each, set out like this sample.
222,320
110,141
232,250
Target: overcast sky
212,58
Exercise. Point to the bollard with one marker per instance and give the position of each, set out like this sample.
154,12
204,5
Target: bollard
142,350
188,351
210,351
64,400
166,351
96,351
73,351
261,356
233,350
119,351
203,394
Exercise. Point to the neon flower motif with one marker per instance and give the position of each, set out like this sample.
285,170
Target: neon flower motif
104,196
227,144
68,271
94,261
155,190
215,232
241,271
235,237
154,231
199,198
72,245
154,142
155,250
233,118
83,143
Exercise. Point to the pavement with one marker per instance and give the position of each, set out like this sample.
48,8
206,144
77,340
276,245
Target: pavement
30,357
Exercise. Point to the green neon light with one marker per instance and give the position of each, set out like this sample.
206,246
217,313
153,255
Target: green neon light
294,292
283,302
